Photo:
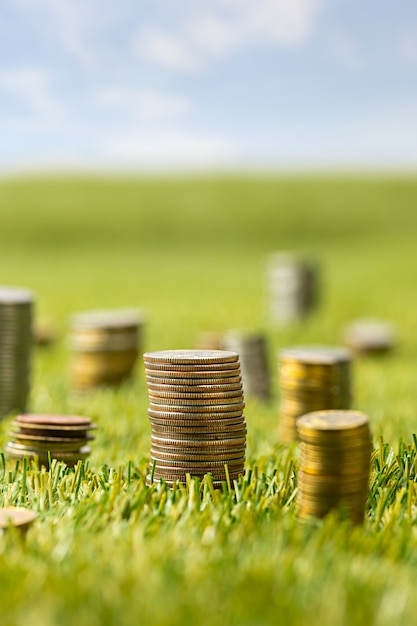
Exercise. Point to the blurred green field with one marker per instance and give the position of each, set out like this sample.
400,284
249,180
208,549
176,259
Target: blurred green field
192,253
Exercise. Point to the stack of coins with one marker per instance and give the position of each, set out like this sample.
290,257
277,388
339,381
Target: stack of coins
335,454
292,284
64,437
16,309
105,347
311,379
368,336
196,414
253,357
16,517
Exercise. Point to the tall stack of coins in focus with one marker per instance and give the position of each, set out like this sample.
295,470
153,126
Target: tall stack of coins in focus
64,437
335,458
311,379
196,414
105,347
292,286
16,310
253,357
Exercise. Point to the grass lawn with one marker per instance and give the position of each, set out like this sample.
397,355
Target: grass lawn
192,253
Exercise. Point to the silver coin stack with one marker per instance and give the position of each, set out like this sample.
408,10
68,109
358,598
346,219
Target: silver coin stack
196,414
16,311
253,357
292,285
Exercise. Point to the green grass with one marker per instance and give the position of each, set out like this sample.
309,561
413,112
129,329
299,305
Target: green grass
192,253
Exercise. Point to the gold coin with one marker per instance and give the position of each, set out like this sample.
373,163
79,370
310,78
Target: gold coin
333,421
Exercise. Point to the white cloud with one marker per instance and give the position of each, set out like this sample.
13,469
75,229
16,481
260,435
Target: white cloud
223,27
172,149
165,50
142,103
31,87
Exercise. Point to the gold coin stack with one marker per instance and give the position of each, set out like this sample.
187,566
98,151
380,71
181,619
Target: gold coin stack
335,455
369,336
105,347
64,437
311,379
293,287
196,414
253,357
16,310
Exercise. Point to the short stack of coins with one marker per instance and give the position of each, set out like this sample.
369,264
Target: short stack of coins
292,286
311,379
196,414
253,357
370,336
105,347
61,437
335,454
16,310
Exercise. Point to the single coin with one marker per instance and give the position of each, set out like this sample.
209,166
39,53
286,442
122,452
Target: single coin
314,354
235,441
332,421
192,402
177,416
191,356
232,407
196,374
195,457
107,319
191,396
205,466
195,389
196,433
182,473
16,516
53,420
194,382
152,368
199,424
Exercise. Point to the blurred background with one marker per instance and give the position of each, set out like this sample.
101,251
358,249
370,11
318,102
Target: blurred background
219,84
156,154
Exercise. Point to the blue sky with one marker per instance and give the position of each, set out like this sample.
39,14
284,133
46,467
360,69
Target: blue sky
168,84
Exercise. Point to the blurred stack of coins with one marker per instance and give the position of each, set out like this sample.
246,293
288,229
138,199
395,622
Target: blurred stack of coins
253,357
64,437
311,379
16,517
335,454
105,346
293,286
368,336
196,414
16,310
